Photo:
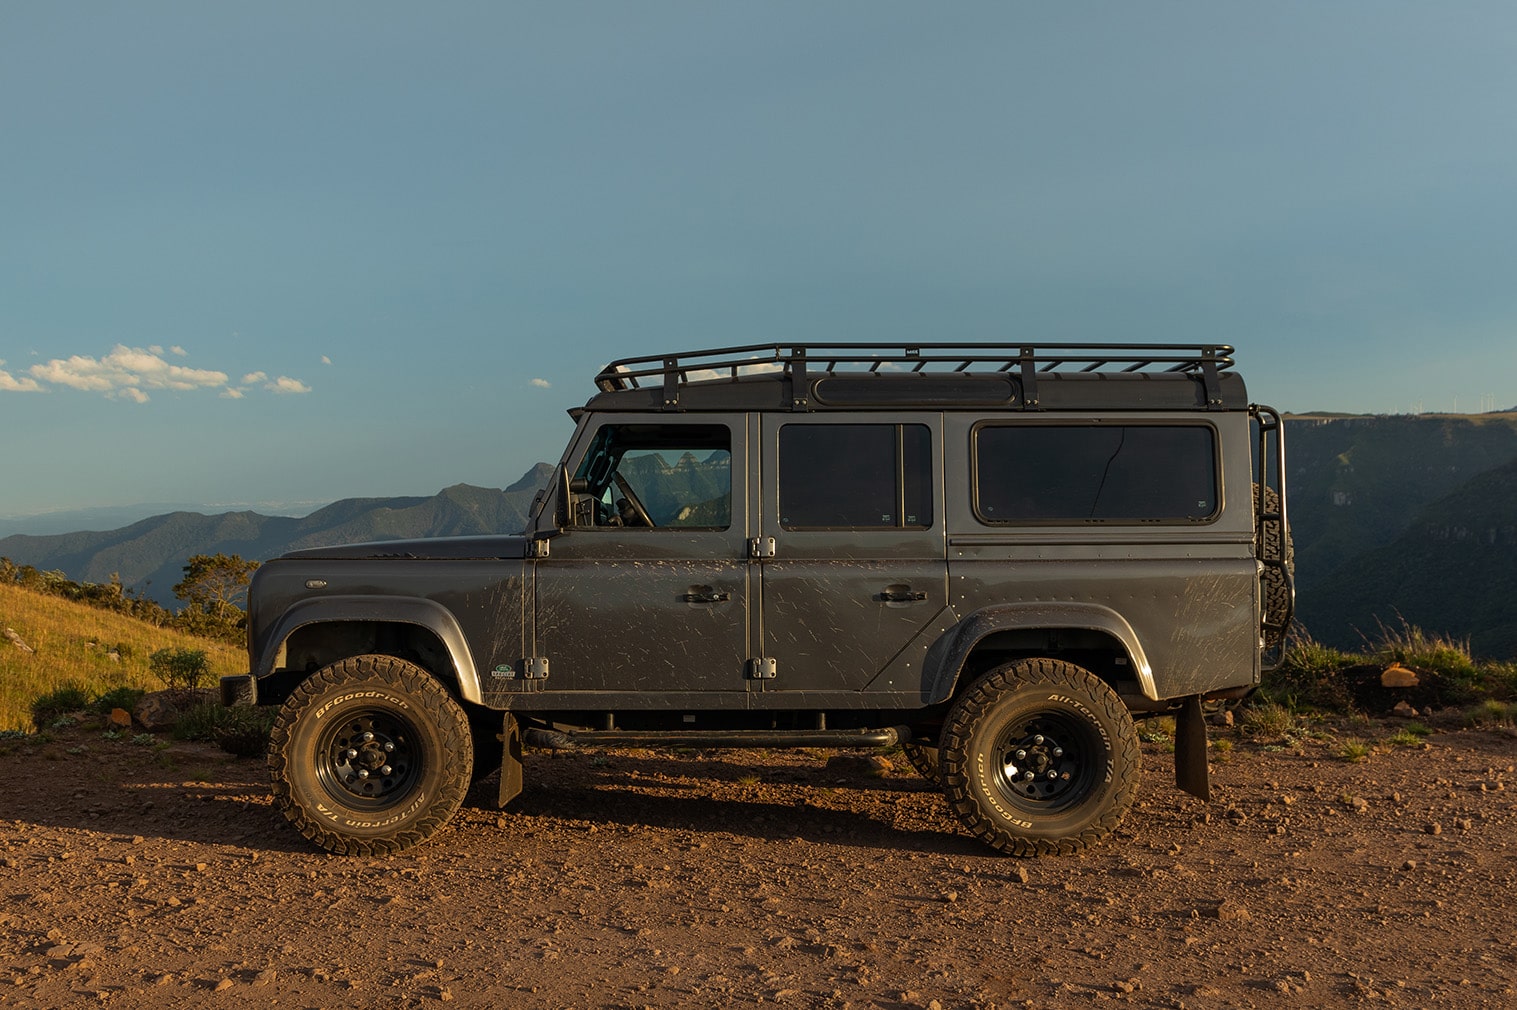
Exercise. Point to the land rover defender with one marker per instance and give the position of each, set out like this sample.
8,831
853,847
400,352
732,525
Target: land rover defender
994,556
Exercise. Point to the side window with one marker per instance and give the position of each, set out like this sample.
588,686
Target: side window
663,476
1033,473
855,476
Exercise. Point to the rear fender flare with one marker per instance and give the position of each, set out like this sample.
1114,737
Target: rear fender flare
945,661
416,611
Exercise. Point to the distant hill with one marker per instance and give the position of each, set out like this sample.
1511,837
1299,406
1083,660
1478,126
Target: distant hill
1452,571
1364,490
149,555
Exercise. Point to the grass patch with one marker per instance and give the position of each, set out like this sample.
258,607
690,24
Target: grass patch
1269,720
242,730
1403,738
1492,714
97,650
1354,750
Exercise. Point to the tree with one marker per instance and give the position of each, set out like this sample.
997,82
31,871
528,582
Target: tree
214,588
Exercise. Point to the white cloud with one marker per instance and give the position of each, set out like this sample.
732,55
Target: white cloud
10,384
128,373
126,368
541,383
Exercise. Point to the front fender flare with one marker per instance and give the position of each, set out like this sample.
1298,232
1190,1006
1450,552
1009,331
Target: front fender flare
945,660
416,611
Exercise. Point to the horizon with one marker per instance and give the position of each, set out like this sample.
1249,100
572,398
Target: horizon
300,510
383,254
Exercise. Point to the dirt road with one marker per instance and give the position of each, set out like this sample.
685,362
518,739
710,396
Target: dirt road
137,877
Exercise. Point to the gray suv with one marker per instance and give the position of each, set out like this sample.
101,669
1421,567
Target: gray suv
994,556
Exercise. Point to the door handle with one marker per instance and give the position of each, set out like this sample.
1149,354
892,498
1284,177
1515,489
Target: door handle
903,595
705,595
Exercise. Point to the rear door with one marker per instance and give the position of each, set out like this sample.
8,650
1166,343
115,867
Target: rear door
852,505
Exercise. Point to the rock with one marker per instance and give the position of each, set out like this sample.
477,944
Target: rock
1230,911
1405,711
159,711
1397,675
10,633
120,717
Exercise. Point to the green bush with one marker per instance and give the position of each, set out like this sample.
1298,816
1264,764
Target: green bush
118,697
181,670
50,707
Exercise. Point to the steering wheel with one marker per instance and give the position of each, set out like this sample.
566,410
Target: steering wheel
630,504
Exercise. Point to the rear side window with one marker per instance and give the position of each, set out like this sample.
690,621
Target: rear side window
1048,473
855,476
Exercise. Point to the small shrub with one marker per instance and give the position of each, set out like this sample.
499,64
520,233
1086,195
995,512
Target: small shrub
180,670
1222,749
242,730
1403,738
1354,750
118,697
53,707
1270,719
1410,646
1492,714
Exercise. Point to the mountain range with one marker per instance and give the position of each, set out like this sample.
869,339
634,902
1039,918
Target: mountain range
1404,517
149,555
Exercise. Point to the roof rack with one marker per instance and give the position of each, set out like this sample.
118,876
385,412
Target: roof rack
797,360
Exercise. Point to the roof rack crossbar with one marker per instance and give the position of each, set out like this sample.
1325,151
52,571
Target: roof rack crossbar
730,364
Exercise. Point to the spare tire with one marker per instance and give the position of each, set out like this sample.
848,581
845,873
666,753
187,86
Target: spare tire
1276,583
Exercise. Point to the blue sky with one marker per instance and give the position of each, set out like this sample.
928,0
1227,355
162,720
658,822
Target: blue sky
289,252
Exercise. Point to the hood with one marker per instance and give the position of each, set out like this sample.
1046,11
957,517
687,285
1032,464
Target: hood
428,549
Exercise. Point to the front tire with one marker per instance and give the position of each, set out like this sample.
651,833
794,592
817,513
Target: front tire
1039,757
369,756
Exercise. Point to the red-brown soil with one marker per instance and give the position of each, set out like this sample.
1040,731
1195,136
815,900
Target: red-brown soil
137,877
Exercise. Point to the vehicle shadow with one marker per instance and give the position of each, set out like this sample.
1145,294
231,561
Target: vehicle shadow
727,793
197,794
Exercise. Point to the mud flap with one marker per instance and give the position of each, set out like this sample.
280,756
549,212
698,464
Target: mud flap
510,760
1190,750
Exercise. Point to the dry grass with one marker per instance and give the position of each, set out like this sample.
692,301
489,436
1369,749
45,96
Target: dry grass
74,643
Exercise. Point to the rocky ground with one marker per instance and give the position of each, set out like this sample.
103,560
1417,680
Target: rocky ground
137,875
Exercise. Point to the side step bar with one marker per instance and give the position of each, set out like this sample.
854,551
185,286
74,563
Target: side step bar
890,736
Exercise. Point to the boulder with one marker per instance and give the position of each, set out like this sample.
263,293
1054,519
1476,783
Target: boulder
159,711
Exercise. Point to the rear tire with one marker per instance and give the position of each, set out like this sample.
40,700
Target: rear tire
1275,544
1038,757
369,756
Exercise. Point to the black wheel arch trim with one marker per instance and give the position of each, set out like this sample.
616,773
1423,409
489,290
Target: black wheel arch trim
417,611
945,660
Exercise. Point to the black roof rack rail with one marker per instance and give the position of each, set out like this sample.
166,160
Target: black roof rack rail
796,360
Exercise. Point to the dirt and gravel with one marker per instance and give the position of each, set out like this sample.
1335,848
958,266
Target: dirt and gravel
136,876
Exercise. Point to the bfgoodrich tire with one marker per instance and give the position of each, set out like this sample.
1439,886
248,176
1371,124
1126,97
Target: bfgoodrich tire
369,756
1038,757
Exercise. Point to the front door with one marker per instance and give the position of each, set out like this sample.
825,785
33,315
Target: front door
648,590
